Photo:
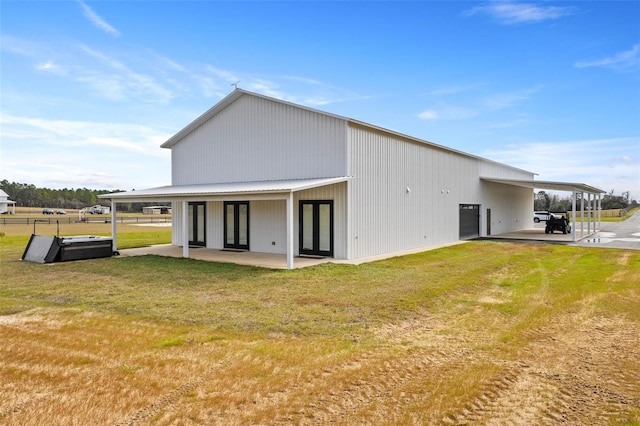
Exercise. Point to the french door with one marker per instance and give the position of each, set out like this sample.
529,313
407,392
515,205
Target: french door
236,225
197,224
316,227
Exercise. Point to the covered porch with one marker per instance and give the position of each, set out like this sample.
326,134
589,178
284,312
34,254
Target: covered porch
183,196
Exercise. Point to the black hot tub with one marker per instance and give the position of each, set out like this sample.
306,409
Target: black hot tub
46,249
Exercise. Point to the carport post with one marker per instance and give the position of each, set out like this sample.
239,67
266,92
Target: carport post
573,206
589,210
599,211
581,214
113,226
185,229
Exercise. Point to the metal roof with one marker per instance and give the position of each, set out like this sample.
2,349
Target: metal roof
542,184
229,188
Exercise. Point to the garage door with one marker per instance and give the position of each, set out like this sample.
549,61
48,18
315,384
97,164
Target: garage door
469,221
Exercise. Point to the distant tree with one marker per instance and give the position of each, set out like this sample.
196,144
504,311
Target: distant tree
28,195
541,201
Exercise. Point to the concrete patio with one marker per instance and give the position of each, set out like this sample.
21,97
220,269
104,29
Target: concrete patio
537,234
279,261
263,260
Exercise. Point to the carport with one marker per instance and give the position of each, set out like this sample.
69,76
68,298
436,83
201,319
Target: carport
590,199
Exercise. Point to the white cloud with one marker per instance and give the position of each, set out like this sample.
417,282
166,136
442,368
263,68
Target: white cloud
58,153
506,100
452,90
513,13
444,111
97,21
19,46
429,114
493,102
604,163
122,84
628,60
73,134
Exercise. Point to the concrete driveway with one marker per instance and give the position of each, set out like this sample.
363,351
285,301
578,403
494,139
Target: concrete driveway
625,235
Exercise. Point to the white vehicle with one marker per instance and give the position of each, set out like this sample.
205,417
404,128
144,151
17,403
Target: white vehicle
543,216
98,209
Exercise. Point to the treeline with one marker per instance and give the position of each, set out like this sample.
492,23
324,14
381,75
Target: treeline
552,202
27,195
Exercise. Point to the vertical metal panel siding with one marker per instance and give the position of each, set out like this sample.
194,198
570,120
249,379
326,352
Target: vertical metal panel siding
511,207
255,139
267,226
337,193
176,220
384,216
215,224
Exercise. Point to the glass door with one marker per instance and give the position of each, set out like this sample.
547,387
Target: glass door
316,227
197,224
236,225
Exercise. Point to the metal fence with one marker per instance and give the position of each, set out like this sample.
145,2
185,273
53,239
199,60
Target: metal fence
12,220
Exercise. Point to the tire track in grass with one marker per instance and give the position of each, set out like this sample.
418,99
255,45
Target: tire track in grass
581,369
172,398
386,378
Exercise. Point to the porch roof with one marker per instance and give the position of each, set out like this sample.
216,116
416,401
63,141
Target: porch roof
173,192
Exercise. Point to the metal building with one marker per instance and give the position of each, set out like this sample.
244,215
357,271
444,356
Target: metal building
5,203
261,174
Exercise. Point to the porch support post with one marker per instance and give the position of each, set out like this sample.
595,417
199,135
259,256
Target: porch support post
581,214
573,214
114,243
599,211
290,231
185,229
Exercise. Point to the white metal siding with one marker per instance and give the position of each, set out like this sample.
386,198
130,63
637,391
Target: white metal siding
511,208
176,220
406,195
255,139
268,225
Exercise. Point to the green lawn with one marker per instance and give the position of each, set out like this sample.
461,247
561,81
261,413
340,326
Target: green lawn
444,336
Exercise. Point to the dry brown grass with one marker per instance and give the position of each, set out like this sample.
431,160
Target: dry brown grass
476,334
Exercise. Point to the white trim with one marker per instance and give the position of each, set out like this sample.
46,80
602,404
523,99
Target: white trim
185,229
290,222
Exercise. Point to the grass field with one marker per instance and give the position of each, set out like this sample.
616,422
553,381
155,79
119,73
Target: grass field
479,333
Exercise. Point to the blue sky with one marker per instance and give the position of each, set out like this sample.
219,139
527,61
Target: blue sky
90,89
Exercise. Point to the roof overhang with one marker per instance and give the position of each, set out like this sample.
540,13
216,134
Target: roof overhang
278,189
541,184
